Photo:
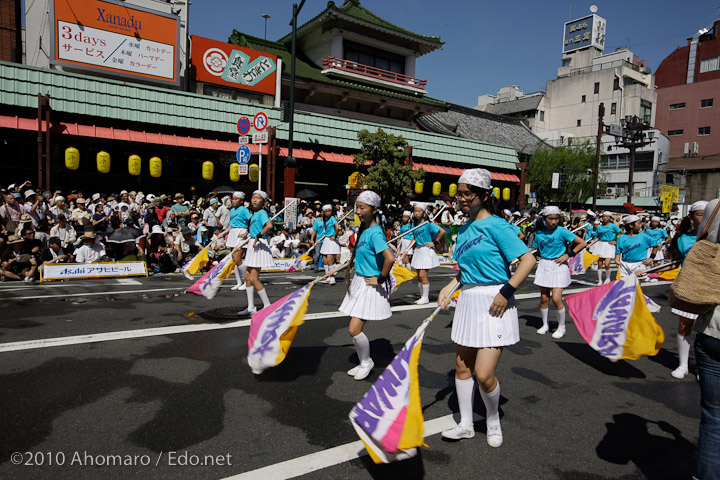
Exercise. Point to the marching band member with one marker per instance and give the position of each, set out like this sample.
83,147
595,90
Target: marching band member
606,233
258,254
660,235
425,257
330,250
631,255
405,241
239,222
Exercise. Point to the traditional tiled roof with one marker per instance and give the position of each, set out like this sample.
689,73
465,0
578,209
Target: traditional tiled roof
524,104
305,70
476,125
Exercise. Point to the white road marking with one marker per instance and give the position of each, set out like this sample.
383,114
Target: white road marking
87,294
329,457
151,332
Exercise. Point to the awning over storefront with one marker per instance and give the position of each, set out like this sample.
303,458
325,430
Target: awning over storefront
455,171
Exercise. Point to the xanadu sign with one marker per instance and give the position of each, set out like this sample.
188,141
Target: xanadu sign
233,66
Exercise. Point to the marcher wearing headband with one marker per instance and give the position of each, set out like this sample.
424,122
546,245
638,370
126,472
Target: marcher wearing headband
325,228
258,255
682,242
660,235
607,233
553,273
367,297
511,220
632,249
424,257
239,223
403,251
486,317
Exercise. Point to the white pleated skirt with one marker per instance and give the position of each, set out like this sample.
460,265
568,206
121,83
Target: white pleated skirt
474,327
424,258
660,255
366,302
259,256
688,315
404,244
330,247
604,249
552,275
233,238
629,268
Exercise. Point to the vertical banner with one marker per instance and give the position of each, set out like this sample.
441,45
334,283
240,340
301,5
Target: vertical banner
291,214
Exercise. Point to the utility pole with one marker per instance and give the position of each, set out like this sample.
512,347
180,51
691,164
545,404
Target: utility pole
290,163
598,146
635,135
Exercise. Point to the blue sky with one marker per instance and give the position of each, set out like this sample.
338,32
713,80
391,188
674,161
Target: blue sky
488,44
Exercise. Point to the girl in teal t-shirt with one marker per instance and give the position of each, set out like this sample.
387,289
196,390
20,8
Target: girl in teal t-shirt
424,257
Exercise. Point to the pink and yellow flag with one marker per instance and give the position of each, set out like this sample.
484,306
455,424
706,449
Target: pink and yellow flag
389,418
616,320
399,274
196,263
209,284
273,329
582,261
300,262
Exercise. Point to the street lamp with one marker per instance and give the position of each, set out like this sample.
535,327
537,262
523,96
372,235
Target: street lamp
635,135
265,16
290,164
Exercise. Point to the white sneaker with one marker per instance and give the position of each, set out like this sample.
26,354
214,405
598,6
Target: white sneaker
235,287
543,330
364,371
247,311
600,282
241,288
353,371
607,280
331,281
559,333
422,301
680,372
494,436
458,433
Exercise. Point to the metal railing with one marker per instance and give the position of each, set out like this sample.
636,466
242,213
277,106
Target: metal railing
373,72
601,66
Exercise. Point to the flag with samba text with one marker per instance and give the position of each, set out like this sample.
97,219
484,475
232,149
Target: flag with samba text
196,263
389,418
582,261
273,329
209,284
616,319
300,262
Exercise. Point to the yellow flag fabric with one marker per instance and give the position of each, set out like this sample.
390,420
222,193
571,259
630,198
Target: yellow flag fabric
399,275
197,262
670,274
643,336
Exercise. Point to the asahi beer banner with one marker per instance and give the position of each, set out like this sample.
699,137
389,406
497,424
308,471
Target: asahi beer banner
69,271
125,40
280,265
233,66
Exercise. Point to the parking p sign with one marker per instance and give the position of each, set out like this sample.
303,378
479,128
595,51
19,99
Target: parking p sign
243,155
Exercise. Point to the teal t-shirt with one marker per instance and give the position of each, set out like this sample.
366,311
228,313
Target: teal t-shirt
484,250
634,248
658,234
405,227
257,223
553,243
240,217
325,228
607,233
515,229
426,233
368,252
685,243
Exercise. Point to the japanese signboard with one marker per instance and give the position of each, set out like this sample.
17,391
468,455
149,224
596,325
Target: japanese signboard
233,66
67,271
117,38
585,32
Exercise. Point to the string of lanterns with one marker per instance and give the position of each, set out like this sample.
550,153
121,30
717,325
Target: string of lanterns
452,190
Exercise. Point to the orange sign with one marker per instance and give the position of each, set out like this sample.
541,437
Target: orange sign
126,40
233,66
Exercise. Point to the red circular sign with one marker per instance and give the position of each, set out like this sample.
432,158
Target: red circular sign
260,121
243,126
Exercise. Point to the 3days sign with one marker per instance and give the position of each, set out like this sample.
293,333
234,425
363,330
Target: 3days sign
233,66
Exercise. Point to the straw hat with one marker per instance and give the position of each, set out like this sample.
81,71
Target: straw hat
14,239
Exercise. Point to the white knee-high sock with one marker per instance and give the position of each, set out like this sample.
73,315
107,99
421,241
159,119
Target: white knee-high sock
465,389
238,276
545,312
607,274
362,347
561,319
683,345
600,272
263,296
327,268
492,405
250,291
243,269
420,288
425,291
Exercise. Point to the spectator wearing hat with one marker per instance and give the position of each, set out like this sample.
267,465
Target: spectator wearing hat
81,217
65,232
181,211
185,245
158,254
31,245
16,265
60,207
11,212
35,206
55,253
91,250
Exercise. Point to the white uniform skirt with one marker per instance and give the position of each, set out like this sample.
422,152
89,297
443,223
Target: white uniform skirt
424,258
404,244
688,315
330,247
660,255
629,268
366,302
604,249
552,275
233,238
259,256
474,327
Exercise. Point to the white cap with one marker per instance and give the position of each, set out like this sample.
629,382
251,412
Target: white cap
29,193
95,197
59,198
655,219
407,213
239,195
421,205
591,213
370,198
517,214
259,192
550,210
507,212
478,177
596,222
700,205
608,213
327,206
123,192
630,219
11,186
150,197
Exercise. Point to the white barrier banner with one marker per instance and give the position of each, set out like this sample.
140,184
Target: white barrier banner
280,265
67,271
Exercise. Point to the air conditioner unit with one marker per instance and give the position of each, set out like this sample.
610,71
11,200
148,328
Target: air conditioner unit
686,148
694,148
611,191
637,193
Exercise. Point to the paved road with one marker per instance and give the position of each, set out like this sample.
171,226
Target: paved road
134,371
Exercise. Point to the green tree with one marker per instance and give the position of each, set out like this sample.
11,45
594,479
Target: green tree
548,160
384,156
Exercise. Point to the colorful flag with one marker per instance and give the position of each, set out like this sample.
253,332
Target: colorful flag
196,263
209,284
398,275
273,329
389,418
582,261
670,275
300,262
616,321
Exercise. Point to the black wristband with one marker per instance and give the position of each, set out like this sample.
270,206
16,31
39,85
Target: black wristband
381,279
571,253
507,290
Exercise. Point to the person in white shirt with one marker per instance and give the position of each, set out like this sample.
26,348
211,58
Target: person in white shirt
90,251
185,245
81,217
60,207
66,233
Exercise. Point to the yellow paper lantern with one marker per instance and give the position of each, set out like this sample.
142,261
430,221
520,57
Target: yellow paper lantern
234,172
155,167
103,162
452,189
419,187
134,165
72,158
253,172
506,194
496,192
437,188
207,170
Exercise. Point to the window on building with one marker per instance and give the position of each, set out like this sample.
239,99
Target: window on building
579,122
583,99
707,103
374,57
677,106
675,133
645,111
566,62
644,161
542,115
616,84
710,64
703,131
596,90
615,161
613,108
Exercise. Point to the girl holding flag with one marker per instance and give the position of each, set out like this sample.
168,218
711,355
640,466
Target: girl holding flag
258,254
607,233
330,249
553,273
486,316
681,244
367,295
404,245
659,235
239,222
424,257
632,248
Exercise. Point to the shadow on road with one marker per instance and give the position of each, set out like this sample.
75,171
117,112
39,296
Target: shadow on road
590,357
